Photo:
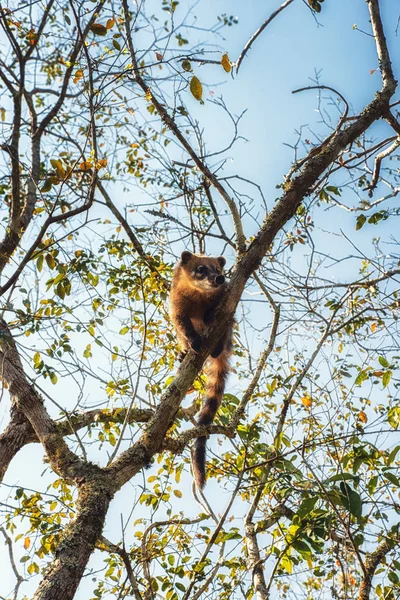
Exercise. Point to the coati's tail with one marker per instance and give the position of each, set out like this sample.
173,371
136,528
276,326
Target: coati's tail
217,372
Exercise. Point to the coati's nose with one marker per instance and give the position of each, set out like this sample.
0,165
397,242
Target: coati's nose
220,279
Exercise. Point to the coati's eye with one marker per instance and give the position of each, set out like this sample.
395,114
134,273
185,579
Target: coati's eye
201,269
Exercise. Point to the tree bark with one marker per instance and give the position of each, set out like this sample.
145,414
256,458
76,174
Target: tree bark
78,540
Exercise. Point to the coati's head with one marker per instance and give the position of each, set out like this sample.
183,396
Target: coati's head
204,272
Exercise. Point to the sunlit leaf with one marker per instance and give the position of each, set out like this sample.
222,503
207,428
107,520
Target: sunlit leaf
98,29
226,63
196,88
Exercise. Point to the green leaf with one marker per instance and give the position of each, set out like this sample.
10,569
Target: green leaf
333,189
48,184
386,378
392,478
51,263
340,477
39,263
393,577
360,221
393,455
382,361
307,506
394,417
196,88
351,500
302,548
98,29
362,376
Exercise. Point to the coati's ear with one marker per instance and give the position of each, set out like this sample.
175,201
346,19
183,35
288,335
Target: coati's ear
221,260
186,256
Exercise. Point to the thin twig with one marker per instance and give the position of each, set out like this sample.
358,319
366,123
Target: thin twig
18,577
259,31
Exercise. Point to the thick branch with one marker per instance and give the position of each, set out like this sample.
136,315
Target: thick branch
13,438
372,561
381,45
27,400
19,432
78,542
131,461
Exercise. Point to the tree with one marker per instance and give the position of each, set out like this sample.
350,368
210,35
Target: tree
109,170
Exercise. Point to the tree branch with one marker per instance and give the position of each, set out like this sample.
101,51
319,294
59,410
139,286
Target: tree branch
372,560
259,32
169,121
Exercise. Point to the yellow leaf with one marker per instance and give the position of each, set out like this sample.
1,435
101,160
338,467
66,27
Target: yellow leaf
196,88
307,401
78,75
101,164
287,564
373,327
85,166
110,23
148,95
27,543
226,63
363,417
58,166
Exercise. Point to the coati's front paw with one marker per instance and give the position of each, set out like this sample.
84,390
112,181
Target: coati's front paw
182,355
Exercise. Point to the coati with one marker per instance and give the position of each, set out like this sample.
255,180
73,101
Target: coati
197,286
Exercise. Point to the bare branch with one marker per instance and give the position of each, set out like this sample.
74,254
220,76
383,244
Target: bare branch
389,82
377,167
18,576
259,31
169,121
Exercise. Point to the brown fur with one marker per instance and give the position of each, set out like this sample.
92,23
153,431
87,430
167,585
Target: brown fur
194,296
